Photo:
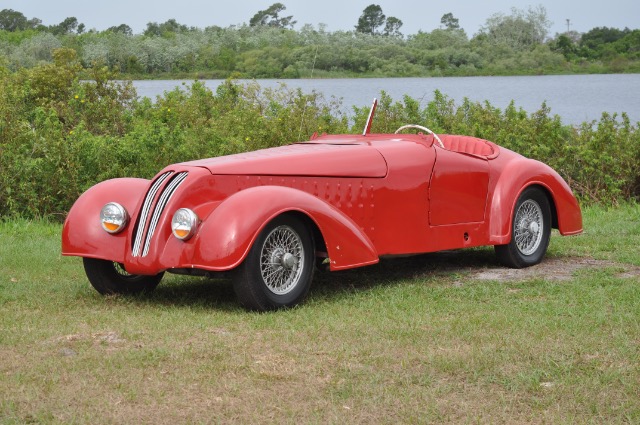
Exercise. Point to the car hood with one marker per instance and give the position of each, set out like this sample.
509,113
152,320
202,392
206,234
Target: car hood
301,159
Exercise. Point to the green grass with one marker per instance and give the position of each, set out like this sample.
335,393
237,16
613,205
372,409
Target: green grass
416,340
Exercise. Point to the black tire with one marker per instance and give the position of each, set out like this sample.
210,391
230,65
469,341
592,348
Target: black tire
530,231
278,270
108,277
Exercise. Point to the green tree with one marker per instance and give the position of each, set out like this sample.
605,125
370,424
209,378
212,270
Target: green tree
629,45
565,45
440,39
598,36
121,29
271,18
371,20
392,27
449,22
521,30
610,44
171,26
68,26
12,20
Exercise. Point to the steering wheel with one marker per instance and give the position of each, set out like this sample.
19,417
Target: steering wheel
419,127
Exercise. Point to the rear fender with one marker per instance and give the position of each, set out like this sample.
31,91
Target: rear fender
82,233
514,179
226,235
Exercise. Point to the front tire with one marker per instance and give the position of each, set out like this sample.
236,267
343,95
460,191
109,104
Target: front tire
530,231
108,277
278,270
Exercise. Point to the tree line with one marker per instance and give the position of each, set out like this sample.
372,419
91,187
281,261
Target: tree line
269,47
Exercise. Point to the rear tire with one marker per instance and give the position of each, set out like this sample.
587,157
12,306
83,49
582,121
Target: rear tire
108,277
530,231
278,270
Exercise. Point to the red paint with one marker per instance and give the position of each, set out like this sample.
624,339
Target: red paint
369,196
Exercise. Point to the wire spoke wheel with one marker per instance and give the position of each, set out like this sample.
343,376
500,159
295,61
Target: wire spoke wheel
278,269
530,230
529,227
282,260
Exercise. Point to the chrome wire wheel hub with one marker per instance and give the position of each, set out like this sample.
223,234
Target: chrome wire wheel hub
282,260
529,227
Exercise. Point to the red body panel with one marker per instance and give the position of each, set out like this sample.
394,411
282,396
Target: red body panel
82,233
308,159
369,196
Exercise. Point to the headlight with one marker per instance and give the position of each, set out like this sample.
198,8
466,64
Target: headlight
113,217
184,224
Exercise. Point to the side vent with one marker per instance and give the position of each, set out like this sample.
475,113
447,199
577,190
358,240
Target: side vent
154,204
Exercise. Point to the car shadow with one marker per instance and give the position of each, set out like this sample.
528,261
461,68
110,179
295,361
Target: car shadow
192,292
217,293
447,265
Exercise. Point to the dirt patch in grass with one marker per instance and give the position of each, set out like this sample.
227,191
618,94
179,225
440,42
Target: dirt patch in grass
560,269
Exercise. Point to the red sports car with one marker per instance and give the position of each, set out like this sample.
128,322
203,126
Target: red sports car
271,215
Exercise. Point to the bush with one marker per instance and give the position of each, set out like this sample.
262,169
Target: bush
61,134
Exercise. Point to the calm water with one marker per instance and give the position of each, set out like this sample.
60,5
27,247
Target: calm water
576,98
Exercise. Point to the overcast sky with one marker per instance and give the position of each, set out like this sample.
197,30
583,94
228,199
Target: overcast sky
336,14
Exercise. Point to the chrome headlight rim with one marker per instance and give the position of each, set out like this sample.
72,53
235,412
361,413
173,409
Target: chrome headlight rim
184,224
113,218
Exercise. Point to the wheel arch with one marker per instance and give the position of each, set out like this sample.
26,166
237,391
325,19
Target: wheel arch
533,218
227,234
316,235
514,180
548,194
552,202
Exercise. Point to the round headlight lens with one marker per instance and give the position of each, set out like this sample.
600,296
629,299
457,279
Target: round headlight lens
184,224
113,217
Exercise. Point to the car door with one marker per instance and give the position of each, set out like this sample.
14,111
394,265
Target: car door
458,188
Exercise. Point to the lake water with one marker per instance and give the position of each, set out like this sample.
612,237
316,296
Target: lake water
575,98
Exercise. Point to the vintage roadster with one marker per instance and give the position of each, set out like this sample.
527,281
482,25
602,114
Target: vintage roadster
270,216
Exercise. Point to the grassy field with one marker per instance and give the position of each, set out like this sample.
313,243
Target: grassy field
420,340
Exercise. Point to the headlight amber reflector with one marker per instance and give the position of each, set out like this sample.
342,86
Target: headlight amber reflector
184,224
113,217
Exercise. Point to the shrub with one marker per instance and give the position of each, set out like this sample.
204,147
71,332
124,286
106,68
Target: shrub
61,134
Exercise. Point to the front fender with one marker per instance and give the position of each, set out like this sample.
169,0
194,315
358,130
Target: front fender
226,235
82,234
515,178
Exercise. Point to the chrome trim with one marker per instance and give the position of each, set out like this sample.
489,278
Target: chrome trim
150,213
144,212
160,206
